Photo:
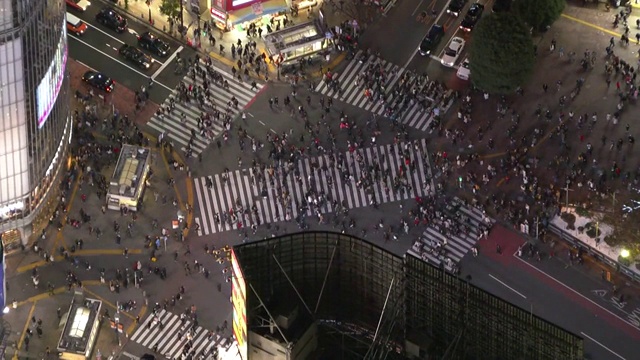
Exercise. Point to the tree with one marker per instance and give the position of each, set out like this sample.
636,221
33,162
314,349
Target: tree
539,14
170,8
501,54
363,13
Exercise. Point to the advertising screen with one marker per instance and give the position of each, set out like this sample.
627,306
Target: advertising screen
49,87
238,298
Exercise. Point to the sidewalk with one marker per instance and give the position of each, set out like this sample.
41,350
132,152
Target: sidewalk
81,195
151,15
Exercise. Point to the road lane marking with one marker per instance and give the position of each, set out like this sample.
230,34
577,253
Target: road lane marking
594,26
120,62
166,63
604,347
116,39
577,293
416,50
130,356
507,286
104,32
417,7
24,331
85,65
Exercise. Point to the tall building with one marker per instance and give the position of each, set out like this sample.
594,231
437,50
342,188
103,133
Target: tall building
334,296
35,123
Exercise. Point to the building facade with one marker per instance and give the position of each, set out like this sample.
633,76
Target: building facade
361,301
35,121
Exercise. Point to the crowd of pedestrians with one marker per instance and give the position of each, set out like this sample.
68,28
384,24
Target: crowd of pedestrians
589,152
335,142
91,155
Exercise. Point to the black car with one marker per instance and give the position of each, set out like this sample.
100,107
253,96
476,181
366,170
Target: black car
472,17
99,81
111,19
432,39
135,56
152,43
456,6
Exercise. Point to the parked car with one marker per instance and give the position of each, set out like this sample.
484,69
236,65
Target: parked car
455,7
135,56
433,38
473,15
112,19
452,52
98,81
464,71
78,5
152,43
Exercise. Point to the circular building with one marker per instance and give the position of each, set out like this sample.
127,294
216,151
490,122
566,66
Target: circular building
35,125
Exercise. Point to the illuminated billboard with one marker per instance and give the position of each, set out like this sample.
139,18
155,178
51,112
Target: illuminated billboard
238,298
235,3
49,88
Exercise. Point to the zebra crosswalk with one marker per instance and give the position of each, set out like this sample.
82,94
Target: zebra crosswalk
417,111
319,180
178,128
170,339
455,229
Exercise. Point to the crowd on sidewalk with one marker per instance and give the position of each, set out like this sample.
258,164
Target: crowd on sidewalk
588,152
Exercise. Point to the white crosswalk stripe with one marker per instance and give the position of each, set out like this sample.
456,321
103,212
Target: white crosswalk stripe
318,174
172,337
453,232
180,132
417,114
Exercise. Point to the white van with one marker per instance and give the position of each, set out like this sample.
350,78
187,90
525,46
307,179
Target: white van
463,71
75,25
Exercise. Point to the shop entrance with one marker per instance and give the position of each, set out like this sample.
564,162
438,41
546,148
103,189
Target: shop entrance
11,240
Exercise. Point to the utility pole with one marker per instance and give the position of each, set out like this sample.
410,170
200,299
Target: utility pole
566,190
181,18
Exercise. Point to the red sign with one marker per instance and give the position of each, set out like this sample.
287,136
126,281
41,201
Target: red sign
219,15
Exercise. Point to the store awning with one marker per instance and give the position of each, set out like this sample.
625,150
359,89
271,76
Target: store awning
257,10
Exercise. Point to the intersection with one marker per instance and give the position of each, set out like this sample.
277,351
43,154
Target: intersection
240,196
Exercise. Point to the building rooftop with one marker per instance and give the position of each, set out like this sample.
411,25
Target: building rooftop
129,170
292,37
290,317
75,336
354,289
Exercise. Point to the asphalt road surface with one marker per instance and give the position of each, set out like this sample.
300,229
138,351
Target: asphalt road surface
565,295
398,37
609,333
98,49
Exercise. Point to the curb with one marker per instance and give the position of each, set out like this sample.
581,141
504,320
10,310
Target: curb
220,59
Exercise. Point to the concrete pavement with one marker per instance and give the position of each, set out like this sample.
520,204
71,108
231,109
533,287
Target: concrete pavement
150,15
575,297
95,253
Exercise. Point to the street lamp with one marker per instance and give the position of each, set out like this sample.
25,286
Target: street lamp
624,253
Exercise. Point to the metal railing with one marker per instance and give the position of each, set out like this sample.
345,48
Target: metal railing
577,243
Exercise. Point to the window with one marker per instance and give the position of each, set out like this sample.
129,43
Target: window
80,320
